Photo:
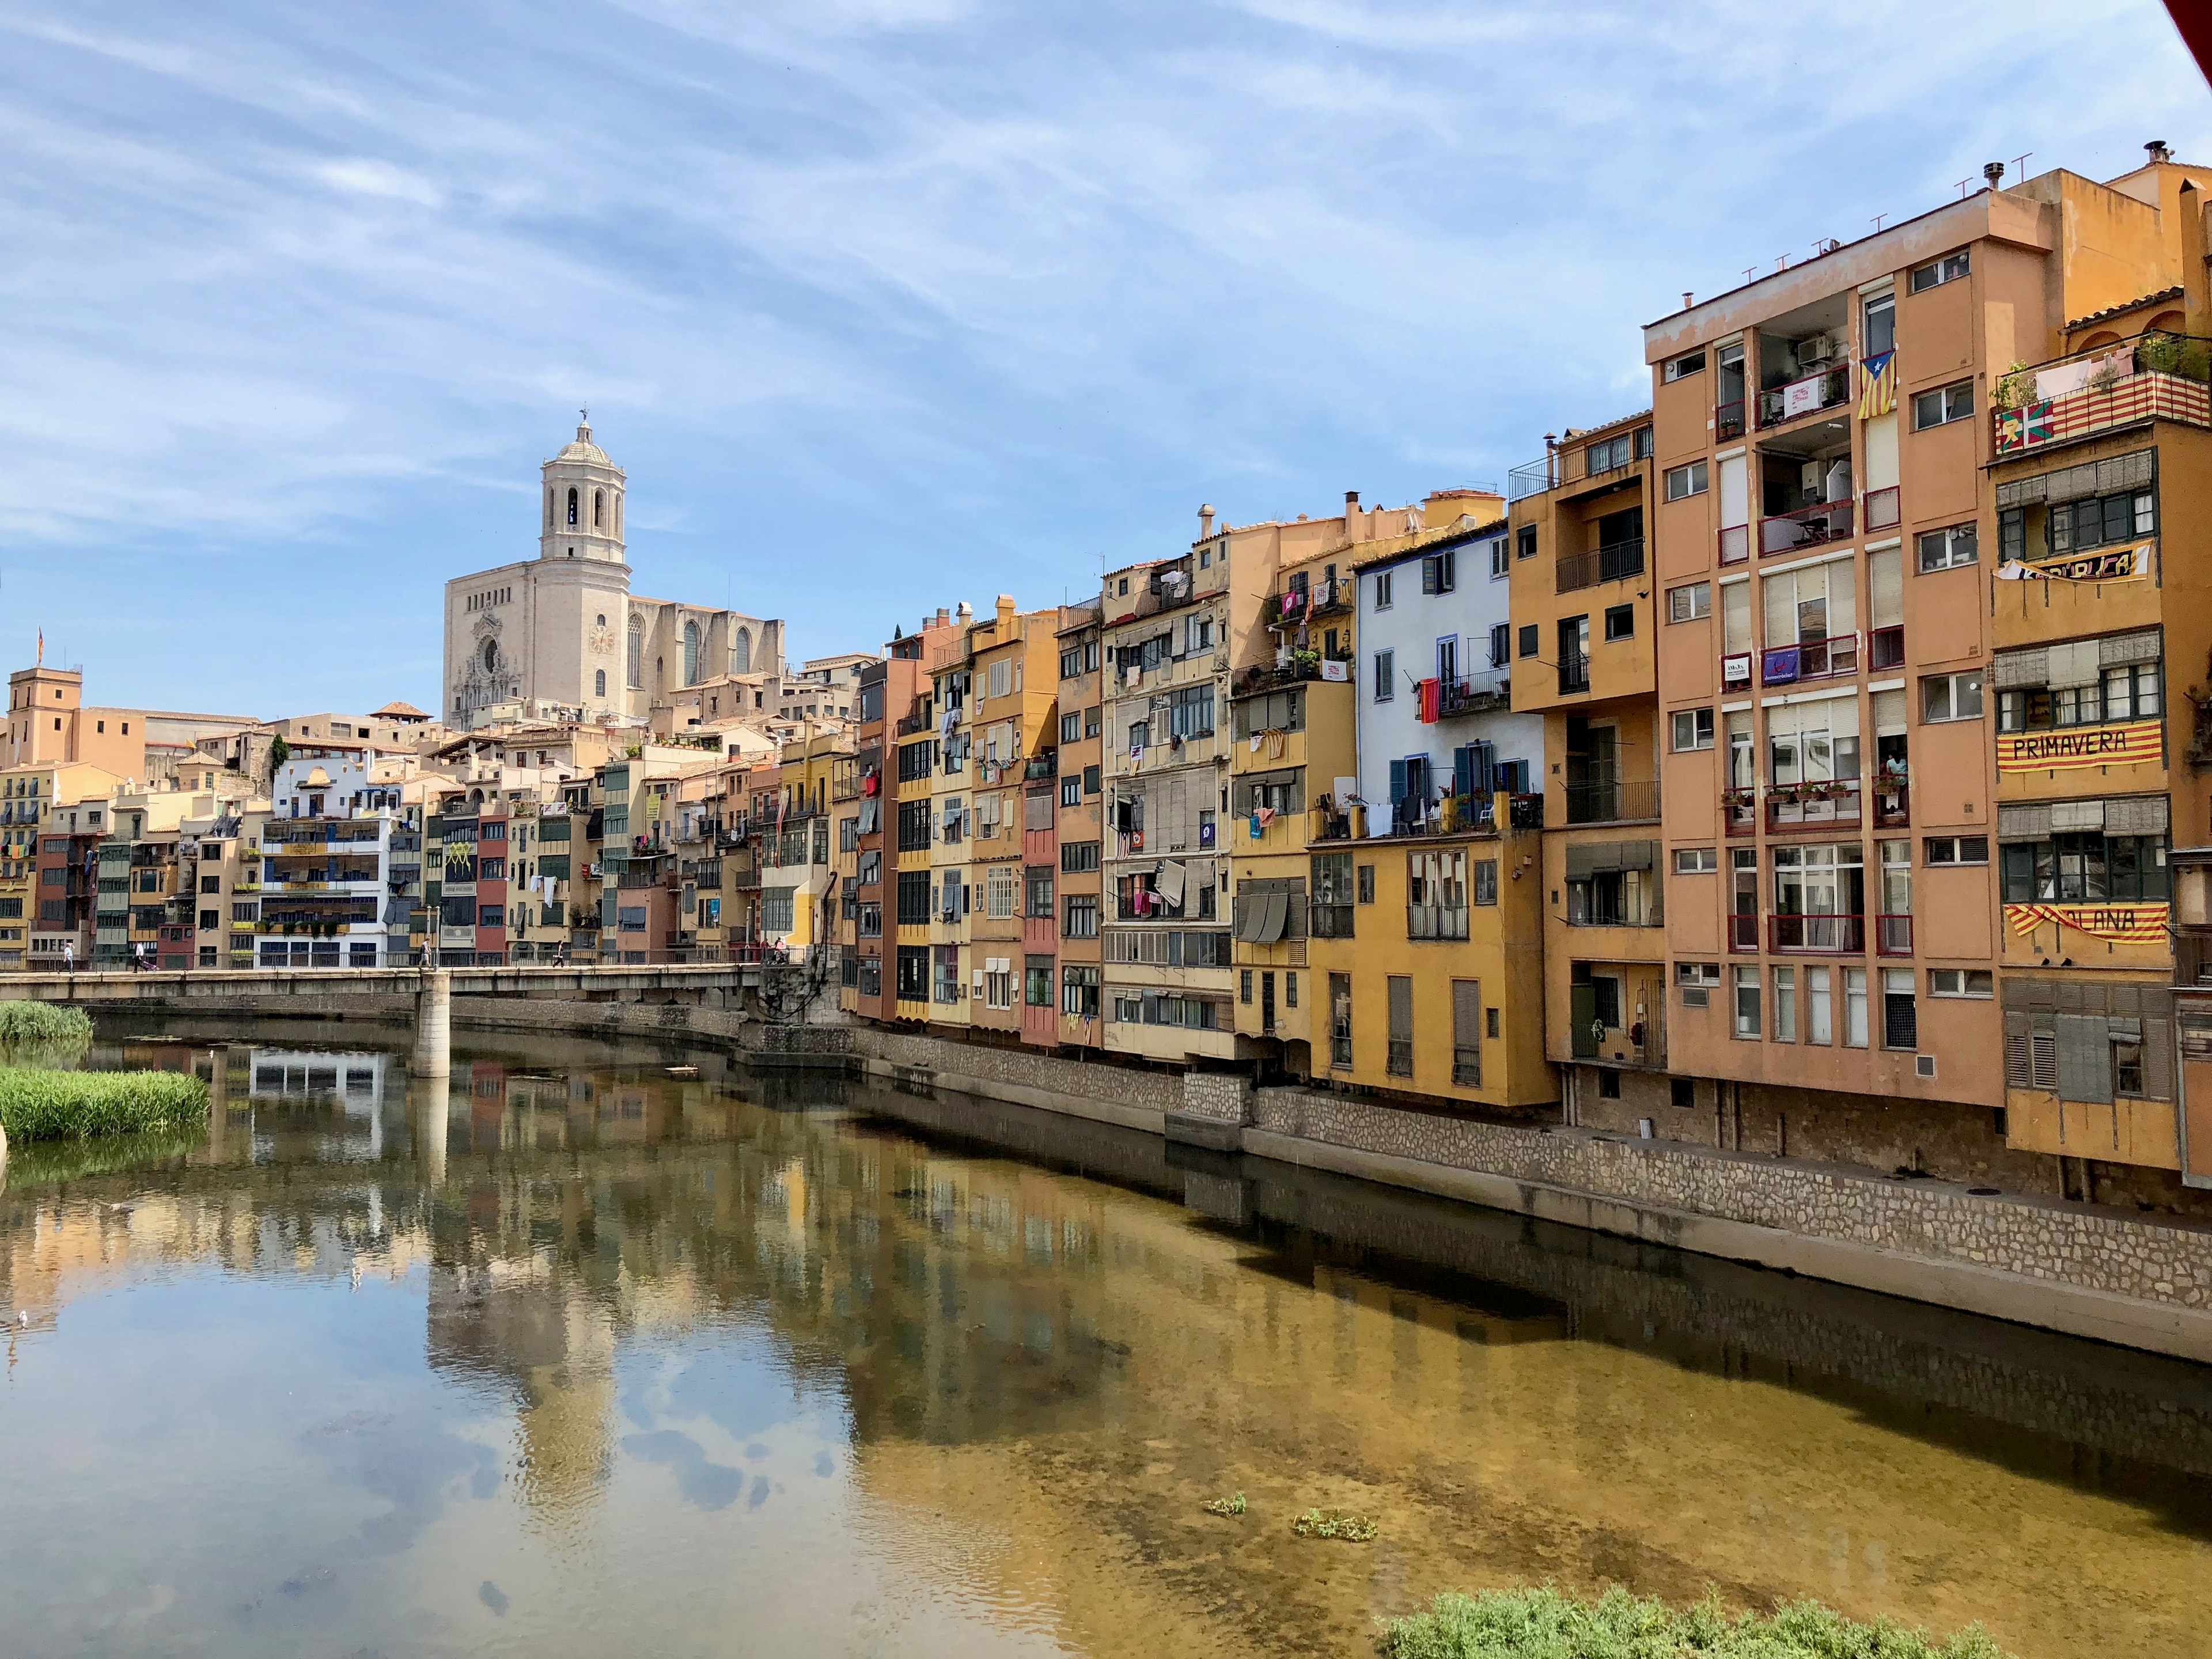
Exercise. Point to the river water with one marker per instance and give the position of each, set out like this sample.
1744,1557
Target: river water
577,1355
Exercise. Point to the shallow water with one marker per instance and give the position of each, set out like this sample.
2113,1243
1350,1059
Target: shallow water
575,1355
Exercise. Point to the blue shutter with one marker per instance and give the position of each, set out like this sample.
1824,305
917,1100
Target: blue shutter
1397,782
1463,769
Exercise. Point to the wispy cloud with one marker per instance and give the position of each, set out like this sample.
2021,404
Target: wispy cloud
946,296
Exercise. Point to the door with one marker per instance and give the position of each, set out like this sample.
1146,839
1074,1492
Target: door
1267,1005
1583,1020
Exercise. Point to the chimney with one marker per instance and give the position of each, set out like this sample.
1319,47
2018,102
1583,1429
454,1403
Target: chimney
1206,521
944,616
1005,612
2156,151
1994,172
1688,300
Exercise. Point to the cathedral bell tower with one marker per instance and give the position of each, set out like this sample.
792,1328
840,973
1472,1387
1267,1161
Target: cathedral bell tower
583,507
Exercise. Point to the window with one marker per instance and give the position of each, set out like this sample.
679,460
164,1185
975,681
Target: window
1077,856
1690,362
1382,590
1948,269
1071,791
1037,892
1448,658
1621,622
1748,1025
1976,982
1190,711
1785,1005
1366,877
1951,697
1399,1059
1697,982
1529,639
1900,1023
1485,881
2078,527
1944,550
1944,406
1079,993
1435,895
1689,603
491,915
1878,331
1071,728
914,898
945,982
1501,645
1819,1007
2084,867
1000,888
1036,982
1385,673
1524,542
1467,1033
1955,849
1696,860
1693,729
1090,780
1612,884
1574,654
1197,634
2123,692
998,983
1082,919
1501,561
1440,572
1683,481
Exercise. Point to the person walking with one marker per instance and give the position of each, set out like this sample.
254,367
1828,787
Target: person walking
69,956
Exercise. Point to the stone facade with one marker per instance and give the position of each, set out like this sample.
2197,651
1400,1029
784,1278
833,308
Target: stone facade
2099,1251
1218,1096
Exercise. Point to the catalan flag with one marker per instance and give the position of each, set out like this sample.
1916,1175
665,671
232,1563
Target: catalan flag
2129,924
2075,749
1878,386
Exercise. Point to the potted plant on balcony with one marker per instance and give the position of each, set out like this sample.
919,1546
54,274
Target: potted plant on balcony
2016,387
1307,663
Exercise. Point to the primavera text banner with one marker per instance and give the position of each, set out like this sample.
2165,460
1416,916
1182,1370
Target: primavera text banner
2081,748
2132,924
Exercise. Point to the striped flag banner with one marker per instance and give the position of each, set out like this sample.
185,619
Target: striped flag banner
2132,924
1877,386
2132,744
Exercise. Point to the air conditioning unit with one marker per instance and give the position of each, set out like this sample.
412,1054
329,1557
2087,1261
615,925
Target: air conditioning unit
1924,1066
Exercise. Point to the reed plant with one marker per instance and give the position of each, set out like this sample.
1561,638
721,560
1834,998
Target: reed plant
42,1021
1543,1624
49,1105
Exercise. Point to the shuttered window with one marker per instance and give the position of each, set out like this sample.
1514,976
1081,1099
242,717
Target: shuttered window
1467,1033
1401,1058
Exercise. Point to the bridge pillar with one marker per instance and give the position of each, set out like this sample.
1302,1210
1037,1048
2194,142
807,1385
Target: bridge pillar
429,1112
434,1026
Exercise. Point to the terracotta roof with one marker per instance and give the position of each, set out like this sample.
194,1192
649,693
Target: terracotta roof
399,711
2164,294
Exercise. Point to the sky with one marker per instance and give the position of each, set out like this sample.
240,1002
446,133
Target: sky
886,303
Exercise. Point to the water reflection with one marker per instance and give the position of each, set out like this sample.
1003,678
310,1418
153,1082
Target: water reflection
573,1348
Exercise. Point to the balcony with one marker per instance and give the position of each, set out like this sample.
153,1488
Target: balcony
1574,673
1825,388
1810,660
1885,647
1892,936
1743,932
1736,672
1735,545
1882,510
1892,808
1830,936
1303,668
1727,420
1529,478
1614,562
2159,377
1807,526
1300,604
1831,804
1740,810
1612,802
1478,694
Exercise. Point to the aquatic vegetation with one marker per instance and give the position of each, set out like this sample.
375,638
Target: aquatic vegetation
42,1021
1233,1505
42,1162
1542,1624
43,1105
1335,1523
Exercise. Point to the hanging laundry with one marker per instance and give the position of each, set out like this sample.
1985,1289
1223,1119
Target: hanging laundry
1256,825
1170,879
1275,743
1264,817
1256,738
1431,699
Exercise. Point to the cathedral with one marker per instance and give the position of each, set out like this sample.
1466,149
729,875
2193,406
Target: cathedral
562,637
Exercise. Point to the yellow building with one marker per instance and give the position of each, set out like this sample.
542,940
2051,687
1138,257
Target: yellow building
1014,674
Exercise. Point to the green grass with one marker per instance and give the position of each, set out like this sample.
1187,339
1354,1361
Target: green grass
42,1021
1542,1624
40,1105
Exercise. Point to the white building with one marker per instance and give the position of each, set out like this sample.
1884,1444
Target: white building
561,634
1435,713
330,895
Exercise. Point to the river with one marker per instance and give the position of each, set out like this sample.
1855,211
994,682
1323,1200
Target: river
579,1354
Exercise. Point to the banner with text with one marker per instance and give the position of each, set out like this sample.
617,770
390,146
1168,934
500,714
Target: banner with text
2107,564
2132,744
2130,924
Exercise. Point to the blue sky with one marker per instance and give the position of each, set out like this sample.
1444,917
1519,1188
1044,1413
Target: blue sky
885,304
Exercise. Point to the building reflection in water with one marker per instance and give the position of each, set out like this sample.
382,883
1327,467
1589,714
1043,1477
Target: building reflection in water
1042,1376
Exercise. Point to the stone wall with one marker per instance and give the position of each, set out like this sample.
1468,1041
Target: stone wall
915,1057
1218,1096
2139,1258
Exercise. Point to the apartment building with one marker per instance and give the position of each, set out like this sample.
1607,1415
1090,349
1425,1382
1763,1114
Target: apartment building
948,825
1585,645
1861,502
48,721
1078,784
1014,659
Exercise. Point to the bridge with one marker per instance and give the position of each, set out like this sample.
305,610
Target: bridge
318,991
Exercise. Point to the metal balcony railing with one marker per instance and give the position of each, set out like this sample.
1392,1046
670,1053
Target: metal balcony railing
1612,802
1824,389
1810,660
1829,935
1883,508
1614,562
1807,526
1574,673
1478,694
1832,803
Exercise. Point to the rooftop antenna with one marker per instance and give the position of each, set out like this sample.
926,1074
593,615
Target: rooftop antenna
1878,218
1963,184
2019,164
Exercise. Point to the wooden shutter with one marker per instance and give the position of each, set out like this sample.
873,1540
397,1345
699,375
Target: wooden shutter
1402,1008
2085,1059
2019,1064
1467,1033
2158,1057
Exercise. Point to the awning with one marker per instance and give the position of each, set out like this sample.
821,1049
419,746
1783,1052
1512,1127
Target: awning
1275,912
1169,883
